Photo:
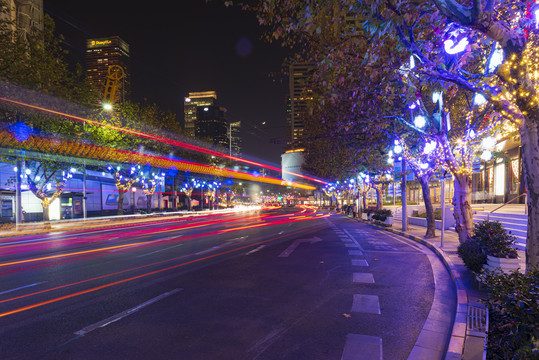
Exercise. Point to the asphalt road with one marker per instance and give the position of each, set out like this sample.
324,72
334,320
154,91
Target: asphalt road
276,284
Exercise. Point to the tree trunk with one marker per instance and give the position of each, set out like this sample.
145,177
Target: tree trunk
378,198
463,209
429,209
121,202
529,135
148,203
46,217
188,198
364,200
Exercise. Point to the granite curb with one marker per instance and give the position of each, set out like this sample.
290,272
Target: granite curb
455,348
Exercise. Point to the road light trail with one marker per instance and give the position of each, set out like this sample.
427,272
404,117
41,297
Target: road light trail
118,282
125,247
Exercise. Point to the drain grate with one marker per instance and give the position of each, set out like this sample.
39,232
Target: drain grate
477,320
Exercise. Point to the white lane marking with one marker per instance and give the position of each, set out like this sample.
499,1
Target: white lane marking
366,304
280,233
362,347
255,250
157,251
123,314
355,252
208,250
363,278
236,239
417,247
20,288
354,240
359,262
296,243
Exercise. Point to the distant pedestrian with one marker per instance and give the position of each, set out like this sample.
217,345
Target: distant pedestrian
354,210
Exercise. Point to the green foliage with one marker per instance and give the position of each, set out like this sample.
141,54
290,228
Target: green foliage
472,255
494,239
437,215
382,215
489,238
513,303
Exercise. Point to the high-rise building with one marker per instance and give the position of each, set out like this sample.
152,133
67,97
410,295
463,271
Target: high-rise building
235,138
300,94
26,15
211,124
103,53
194,100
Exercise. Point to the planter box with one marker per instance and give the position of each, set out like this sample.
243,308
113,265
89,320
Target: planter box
388,222
412,220
502,264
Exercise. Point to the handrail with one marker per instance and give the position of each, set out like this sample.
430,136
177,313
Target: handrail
501,206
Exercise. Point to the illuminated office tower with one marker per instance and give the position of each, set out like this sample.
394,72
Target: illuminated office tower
300,94
103,53
235,138
211,125
194,100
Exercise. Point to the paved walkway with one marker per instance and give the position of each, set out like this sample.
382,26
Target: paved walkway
462,344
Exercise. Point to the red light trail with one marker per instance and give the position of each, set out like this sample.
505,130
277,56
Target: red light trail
154,137
306,211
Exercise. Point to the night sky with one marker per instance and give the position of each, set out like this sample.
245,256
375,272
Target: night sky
190,46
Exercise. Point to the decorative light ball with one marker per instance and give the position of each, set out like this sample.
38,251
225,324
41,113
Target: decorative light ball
424,166
454,48
488,143
397,149
479,99
430,147
420,121
486,155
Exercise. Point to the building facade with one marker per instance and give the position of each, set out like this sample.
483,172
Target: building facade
300,95
26,15
103,53
234,138
190,105
212,124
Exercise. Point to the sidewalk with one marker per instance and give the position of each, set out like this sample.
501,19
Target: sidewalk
463,345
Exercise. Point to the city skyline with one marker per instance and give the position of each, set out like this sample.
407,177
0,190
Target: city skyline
203,46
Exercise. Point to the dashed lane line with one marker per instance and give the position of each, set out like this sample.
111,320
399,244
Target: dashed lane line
123,314
362,347
369,304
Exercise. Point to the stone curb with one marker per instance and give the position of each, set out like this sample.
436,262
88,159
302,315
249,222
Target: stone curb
456,343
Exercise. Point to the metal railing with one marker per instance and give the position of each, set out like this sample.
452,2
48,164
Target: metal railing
510,201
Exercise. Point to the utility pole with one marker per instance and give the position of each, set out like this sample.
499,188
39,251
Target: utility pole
403,197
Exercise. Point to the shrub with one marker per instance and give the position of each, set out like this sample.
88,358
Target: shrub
513,303
494,239
472,255
437,215
381,215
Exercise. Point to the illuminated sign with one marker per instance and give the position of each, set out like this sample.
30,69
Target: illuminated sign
99,43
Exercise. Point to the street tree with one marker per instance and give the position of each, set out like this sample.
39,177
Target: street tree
47,180
425,30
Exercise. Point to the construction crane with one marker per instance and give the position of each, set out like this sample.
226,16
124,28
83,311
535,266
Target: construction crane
113,84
